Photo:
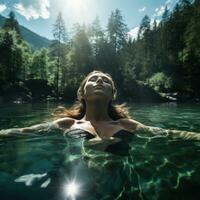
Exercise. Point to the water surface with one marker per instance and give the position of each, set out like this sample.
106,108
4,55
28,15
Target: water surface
141,167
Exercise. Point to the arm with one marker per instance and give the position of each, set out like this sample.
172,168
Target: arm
133,126
27,130
171,133
60,124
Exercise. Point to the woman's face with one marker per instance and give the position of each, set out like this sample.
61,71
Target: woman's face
98,86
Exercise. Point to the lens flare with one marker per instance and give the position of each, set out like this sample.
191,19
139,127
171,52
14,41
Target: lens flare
77,11
72,189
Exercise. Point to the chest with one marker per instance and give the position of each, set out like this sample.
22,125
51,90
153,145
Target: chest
100,129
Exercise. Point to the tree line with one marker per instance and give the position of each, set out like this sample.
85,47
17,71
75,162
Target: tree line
165,56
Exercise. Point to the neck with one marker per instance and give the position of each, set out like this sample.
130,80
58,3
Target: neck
96,111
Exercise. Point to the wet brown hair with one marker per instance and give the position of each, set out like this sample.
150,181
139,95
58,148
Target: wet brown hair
77,111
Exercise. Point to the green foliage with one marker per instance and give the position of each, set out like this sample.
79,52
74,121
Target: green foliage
160,82
81,51
144,27
59,50
39,65
166,54
96,37
11,55
117,30
59,30
12,24
35,41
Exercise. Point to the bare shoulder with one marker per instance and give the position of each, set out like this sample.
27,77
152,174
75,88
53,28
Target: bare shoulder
65,122
130,124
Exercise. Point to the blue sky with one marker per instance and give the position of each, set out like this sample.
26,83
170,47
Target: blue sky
40,15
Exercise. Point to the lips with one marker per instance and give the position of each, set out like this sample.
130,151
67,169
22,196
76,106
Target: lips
99,87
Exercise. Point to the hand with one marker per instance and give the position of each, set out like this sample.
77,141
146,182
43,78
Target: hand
12,131
198,136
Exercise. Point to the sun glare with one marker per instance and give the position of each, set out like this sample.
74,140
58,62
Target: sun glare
72,189
76,11
76,4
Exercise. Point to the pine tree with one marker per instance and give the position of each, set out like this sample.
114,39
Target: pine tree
117,30
12,24
144,26
96,36
11,56
82,56
60,35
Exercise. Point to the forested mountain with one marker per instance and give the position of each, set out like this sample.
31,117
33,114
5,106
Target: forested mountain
36,41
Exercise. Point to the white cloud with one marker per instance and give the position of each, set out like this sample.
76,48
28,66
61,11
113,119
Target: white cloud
142,9
167,2
134,32
171,3
2,7
34,9
159,11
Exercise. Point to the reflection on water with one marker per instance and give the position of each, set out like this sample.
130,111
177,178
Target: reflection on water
140,167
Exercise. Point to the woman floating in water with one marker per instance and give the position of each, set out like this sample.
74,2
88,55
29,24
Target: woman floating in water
96,116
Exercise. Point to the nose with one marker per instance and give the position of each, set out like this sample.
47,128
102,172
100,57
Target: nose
99,80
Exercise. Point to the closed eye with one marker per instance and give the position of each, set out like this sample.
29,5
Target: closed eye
106,80
94,78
